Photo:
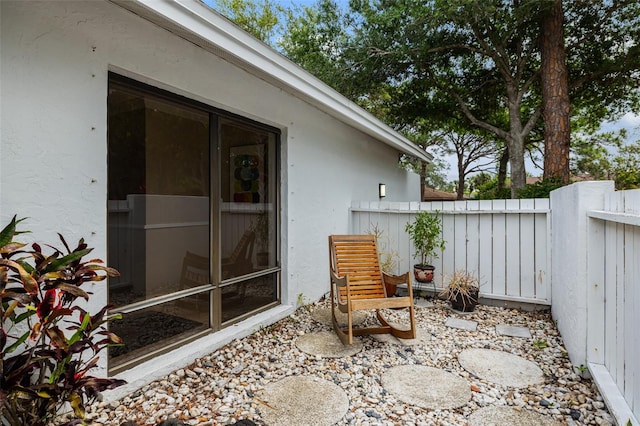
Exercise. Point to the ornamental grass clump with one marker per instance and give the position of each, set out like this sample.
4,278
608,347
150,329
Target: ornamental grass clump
462,290
48,344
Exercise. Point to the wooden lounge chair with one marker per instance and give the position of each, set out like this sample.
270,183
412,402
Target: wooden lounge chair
357,283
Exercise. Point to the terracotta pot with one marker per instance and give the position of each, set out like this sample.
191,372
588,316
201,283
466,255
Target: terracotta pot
391,289
423,273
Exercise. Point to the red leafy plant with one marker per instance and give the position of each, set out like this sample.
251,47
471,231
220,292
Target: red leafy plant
43,367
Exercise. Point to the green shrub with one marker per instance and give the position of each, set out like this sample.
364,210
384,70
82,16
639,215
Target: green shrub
42,366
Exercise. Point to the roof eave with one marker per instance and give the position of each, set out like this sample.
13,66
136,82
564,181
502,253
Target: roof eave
199,24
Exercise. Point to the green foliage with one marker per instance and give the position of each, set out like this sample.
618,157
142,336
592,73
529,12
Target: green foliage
263,18
581,369
484,186
592,153
426,235
388,257
316,39
42,366
627,167
540,189
540,344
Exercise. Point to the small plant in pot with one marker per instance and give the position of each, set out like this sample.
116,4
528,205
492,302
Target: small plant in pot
388,258
462,291
426,235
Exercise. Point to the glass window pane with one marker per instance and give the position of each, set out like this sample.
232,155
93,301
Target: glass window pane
158,327
248,220
249,295
158,193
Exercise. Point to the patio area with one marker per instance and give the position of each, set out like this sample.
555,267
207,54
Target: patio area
491,366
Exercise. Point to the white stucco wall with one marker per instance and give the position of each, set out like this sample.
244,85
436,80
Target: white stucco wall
569,269
55,58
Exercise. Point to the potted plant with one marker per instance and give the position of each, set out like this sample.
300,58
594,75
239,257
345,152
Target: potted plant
387,257
49,343
426,235
462,290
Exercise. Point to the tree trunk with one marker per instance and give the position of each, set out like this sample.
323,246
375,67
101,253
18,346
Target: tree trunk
516,161
423,178
515,143
502,170
556,106
461,178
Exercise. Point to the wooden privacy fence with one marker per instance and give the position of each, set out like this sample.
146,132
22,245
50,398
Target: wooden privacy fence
613,302
505,243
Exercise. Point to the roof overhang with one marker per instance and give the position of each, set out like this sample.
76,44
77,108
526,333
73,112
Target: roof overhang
200,25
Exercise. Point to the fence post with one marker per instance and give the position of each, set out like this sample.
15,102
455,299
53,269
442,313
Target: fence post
569,261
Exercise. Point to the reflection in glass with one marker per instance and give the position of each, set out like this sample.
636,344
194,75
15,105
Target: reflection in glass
248,219
166,156
155,328
246,296
159,204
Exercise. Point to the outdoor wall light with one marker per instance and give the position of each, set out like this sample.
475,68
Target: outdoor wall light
382,190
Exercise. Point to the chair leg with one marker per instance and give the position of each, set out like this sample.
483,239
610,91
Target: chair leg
402,334
345,338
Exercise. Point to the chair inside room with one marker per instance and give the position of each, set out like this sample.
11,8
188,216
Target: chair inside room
240,262
358,283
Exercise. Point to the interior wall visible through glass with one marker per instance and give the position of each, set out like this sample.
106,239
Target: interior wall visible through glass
193,224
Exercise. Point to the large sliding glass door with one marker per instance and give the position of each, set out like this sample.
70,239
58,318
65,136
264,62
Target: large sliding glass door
193,209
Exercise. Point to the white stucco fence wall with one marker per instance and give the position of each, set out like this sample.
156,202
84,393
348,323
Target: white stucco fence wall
55,59
569,268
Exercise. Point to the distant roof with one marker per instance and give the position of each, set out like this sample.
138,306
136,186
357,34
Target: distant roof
430,194
199,24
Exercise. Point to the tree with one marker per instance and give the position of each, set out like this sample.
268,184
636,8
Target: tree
627,167
556,105
476,61
263,19
473,151
593,153
315,39
486,58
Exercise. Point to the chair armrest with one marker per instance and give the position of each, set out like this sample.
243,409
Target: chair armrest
396,279
339,281
399,279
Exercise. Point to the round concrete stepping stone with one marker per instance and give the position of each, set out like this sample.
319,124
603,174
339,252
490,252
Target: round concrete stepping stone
327,344
426,387
302,400
422,336
508,416
501,367
323,315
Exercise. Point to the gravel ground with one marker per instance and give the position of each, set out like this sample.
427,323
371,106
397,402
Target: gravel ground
224,387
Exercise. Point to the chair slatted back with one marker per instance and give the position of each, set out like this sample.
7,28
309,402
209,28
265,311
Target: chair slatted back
357,257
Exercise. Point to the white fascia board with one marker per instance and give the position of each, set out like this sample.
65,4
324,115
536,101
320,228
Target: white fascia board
200,25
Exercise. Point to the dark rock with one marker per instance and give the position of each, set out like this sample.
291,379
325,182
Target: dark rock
243,422
172,422
544,403
371,413
575,414
129,423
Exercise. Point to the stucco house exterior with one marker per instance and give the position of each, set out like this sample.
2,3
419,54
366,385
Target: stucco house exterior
202,164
